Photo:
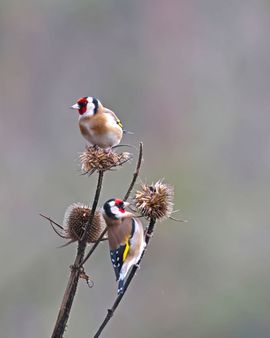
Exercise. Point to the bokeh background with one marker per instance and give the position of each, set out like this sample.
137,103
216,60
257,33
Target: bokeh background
189,78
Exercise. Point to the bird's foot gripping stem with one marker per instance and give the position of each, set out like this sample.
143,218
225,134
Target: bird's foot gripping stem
147,234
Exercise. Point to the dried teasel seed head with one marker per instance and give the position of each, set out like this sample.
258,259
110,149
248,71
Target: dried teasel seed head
95,158
155,201
75,220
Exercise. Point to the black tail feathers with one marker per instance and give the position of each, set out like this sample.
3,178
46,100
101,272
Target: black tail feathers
120,286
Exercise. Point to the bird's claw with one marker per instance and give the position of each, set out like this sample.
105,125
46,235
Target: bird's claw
150,235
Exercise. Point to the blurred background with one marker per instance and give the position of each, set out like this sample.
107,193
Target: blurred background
189,78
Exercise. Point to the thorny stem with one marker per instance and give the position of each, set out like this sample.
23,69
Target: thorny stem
132,273
71,288
135,176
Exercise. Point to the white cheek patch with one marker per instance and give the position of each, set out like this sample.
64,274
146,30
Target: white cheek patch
90,109
115,210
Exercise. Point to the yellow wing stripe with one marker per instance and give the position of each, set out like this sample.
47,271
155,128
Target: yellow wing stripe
119,122
126,251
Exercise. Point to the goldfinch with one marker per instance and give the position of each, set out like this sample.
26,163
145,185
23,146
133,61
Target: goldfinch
126,238
99,125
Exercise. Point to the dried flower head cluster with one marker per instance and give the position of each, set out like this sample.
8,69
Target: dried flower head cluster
155,201
95,158
75,220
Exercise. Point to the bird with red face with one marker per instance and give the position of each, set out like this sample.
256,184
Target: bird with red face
98,125
126,238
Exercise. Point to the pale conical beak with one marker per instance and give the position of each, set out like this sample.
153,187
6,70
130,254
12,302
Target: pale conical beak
75,106
126,204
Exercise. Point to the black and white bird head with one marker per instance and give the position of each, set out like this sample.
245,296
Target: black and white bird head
115,209
87,105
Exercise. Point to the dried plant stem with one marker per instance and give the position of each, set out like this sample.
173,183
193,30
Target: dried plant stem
52,222
136,173
94,207
71,288
132,273
93,248
135,176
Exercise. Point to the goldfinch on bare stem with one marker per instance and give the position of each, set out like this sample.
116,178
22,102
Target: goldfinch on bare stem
98,125
126,238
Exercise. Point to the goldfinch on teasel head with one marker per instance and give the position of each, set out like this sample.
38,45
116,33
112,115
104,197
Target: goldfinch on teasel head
99,125
126,238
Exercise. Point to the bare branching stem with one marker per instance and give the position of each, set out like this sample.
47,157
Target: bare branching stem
52,221
71,288
94,207
131,275
136,173
93,248
135,176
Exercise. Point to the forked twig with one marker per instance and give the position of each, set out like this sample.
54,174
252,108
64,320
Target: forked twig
93,248
54,229
132,273
52,221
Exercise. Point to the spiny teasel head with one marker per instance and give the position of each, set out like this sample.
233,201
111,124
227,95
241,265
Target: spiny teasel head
155,201
95,158
75,220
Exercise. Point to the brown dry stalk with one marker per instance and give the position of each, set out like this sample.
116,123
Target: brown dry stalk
77,269
131,275
136,173
75,273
